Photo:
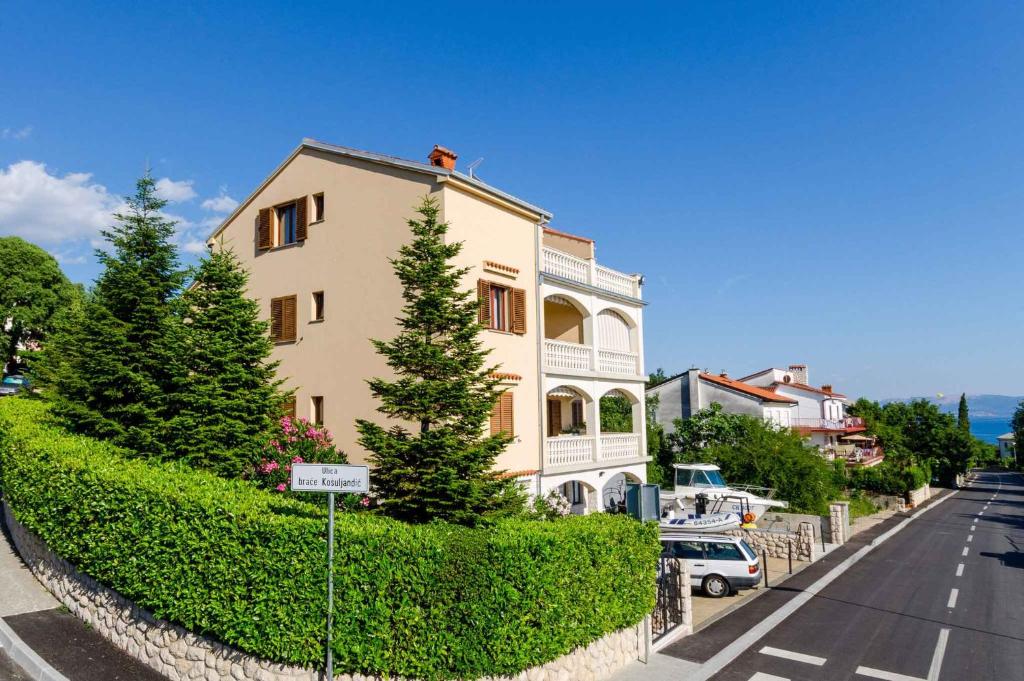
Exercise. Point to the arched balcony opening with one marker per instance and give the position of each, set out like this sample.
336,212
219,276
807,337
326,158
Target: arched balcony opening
621,421
616,344
613,494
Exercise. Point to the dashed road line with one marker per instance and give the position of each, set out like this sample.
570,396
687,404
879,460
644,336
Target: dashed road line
960,570
970,537
953,593
965,551
933,670
790,655
761,676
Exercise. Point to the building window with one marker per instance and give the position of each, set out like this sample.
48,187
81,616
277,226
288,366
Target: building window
318,207
575,492
316,411
501,415
577,414
286,223
318,306
499,308
289,407
283,319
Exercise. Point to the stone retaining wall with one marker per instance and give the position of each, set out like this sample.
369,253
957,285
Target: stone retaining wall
780,544
916,497
181,655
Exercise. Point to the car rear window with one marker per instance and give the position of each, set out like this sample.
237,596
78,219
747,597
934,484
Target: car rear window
747,550
722,551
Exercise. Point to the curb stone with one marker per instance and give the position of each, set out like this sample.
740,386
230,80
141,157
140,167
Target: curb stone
26,658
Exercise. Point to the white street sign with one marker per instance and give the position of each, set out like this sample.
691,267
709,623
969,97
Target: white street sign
325,477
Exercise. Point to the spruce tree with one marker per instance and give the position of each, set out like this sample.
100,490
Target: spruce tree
443,388
963,419
120,365
226,404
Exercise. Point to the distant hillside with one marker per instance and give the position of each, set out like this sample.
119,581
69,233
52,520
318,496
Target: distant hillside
981,406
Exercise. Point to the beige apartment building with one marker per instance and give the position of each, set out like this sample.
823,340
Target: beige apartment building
316,237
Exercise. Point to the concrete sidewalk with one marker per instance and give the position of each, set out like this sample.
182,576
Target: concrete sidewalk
40,640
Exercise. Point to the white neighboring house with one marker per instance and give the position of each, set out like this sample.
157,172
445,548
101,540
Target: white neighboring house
821,414
687,393
1007,447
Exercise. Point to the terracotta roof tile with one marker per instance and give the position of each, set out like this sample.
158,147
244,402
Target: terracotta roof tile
517,474
754,391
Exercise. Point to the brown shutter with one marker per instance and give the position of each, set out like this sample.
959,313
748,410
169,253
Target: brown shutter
263,230
496,417
289,407
288,321
518,311
483,292
276,318
301,206
554,418
507,424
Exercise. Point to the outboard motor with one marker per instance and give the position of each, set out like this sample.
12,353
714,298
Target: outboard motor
700,504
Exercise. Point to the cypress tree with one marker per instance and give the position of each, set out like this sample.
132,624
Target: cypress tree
443,469
225,406
963,419
119,366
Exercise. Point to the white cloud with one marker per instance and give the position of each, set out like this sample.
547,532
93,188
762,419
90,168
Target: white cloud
52,210
220,204
16,133
195,247
175,191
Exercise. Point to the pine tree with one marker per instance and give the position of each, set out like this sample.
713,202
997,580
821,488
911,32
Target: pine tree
963,419
443,386
119,366
226,405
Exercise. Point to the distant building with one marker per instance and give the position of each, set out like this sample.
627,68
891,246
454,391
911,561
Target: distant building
683,395
1007,447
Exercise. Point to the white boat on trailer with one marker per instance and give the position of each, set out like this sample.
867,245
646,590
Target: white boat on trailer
746,502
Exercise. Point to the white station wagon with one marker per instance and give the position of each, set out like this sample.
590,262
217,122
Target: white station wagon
718,563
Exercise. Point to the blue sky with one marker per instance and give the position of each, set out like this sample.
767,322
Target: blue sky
833,184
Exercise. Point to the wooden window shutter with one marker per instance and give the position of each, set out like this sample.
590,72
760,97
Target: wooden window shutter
289,407
518,311
276,318
554,418
263,236
289,310
483,292
301,218
501,415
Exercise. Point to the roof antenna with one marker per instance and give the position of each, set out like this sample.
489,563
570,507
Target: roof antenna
473,166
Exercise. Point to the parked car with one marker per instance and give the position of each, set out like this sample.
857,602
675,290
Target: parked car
13,384
719,564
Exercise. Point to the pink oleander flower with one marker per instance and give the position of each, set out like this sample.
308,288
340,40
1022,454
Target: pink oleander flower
311,432
297,459
281,487
365,501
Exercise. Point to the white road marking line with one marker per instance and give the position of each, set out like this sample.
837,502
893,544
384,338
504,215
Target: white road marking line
761,676
752,635
886,676
953,593
940,652
960,570
790,655
965,552
970,537
980,512
973,528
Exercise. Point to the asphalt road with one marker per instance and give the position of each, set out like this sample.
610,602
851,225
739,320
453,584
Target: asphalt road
941,599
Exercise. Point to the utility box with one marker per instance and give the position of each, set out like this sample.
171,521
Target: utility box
643,502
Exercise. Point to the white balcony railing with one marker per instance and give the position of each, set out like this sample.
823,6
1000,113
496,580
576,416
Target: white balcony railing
562,355
617,362
616,446
570,450
570,267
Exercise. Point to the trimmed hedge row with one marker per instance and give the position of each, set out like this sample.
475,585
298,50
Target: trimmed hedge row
246,567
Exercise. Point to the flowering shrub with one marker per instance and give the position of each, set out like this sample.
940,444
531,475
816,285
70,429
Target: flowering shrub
552,506
298,441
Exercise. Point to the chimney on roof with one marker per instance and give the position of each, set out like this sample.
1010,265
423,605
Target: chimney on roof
445,158
827,387
799,372
724,374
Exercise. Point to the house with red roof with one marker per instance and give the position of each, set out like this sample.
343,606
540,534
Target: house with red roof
821,414
683,395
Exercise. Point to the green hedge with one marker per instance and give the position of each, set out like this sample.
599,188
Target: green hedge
246,567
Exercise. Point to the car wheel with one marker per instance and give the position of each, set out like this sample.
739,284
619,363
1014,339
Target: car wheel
715,586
